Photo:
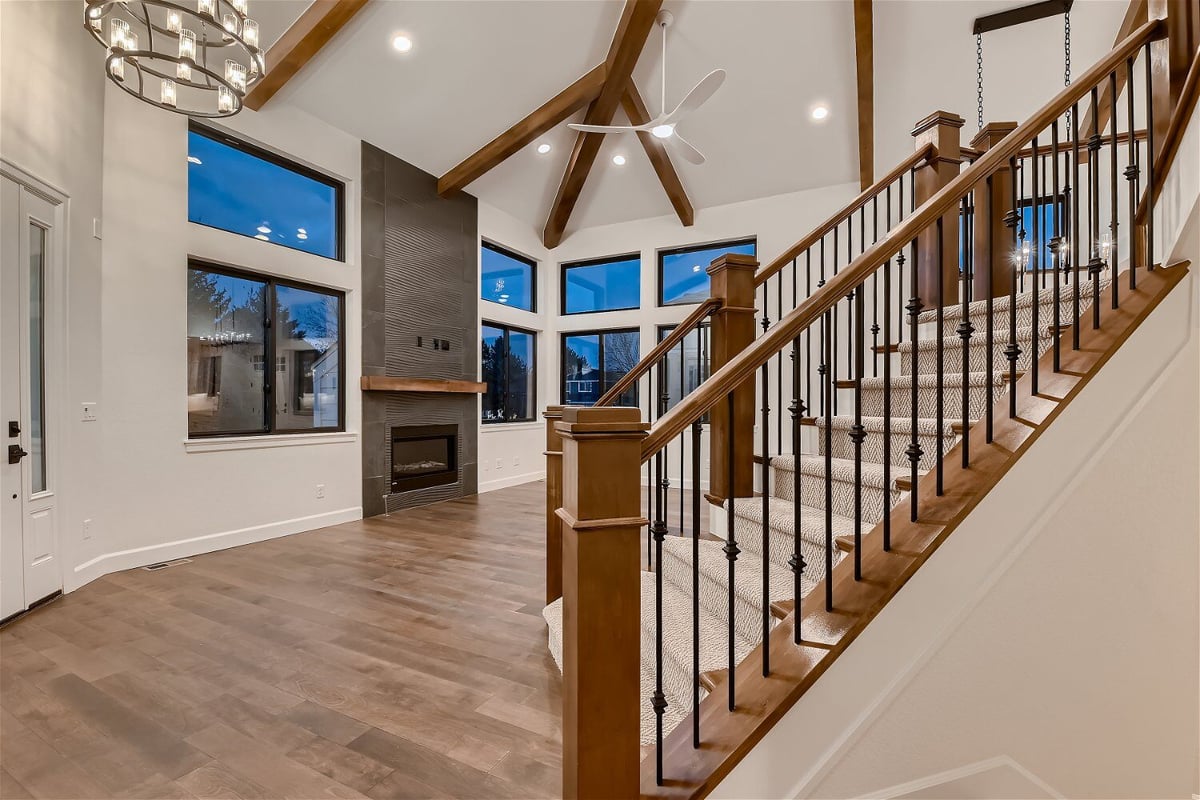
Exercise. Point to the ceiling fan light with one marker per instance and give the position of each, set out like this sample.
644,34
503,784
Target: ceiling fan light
663,131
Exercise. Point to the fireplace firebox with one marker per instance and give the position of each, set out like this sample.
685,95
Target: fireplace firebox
424,456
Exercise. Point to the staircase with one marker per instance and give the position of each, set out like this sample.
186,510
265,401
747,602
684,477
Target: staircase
915,371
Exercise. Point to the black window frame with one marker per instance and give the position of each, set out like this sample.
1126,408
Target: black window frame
509,329
264,154
661,257
704,330
515,256
271,355
599,333
593,262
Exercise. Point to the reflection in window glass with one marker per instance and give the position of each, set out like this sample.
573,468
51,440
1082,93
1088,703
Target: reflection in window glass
611,285
593,362
239,191
508,369
685,366
506,278
682,275
37,356
1045,232
307,350
226,352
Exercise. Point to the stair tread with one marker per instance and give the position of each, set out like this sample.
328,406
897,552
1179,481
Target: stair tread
812,519
677,633
929,380
978,338
1024,299
840,469
901,423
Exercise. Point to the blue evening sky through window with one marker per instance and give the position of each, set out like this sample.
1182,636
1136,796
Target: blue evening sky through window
606,286
241,193
505,279
684,279
586,346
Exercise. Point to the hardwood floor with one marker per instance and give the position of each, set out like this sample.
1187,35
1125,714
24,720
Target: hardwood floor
395,657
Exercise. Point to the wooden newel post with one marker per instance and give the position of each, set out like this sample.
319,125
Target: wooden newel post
732,280
942,129
553,455
993,241
601,531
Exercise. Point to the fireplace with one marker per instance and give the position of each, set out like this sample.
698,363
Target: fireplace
424,456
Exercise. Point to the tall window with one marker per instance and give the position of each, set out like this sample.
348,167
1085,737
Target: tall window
507,278
610,284
1042,245
243,189
594,361
508,361
264,356
682,278
685,366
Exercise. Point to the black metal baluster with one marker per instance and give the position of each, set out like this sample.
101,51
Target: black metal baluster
850,362
1013,351
833,333
808,398
1095,263
989,334
1023,262
857,432
779,365
822,347
697,430
796,562
664,403
1035,262
875,294
731,548
964,330
1131,173
914,451
766,516
650,482
1075,232
887,400
1113,249
940,399
659,701
828,320
1149,160
1041,273
1056,249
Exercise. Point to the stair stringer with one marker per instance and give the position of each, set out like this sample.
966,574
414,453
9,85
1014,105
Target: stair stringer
825,736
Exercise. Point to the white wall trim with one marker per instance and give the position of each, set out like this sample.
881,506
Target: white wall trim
196,545
220,443
965,771
501,427
513,480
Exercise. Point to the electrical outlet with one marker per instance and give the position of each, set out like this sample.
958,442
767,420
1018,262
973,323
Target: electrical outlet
87,529
89,412
499,463
320,491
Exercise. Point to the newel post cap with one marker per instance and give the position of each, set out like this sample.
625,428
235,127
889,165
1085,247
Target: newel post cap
553,412
732,261
938,118
990,135
614,421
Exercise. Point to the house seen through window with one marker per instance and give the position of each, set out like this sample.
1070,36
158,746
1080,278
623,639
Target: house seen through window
508,368
592,362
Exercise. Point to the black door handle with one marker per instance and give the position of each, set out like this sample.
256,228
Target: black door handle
16,453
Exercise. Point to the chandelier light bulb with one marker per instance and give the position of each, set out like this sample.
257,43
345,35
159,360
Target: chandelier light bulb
187,50
663,131
250,32
235,75
118,33
174,21
224,99
207,7
95,19
230,23
167,95
117,68
240,5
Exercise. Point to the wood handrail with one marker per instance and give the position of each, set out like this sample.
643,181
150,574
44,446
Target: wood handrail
1171,141
743,366
970,153
928,152
661,349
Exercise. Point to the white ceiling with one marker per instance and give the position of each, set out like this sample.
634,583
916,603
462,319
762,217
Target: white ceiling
477,67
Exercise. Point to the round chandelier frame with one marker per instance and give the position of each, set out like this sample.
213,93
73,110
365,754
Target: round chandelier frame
199,60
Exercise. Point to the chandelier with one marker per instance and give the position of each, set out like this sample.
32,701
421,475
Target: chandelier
198,59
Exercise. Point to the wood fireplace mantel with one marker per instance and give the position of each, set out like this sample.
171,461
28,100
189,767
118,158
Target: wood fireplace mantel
383,383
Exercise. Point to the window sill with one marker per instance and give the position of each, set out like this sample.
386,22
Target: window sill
221,443
488,427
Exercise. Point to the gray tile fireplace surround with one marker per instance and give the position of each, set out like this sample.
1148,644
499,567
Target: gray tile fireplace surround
420,276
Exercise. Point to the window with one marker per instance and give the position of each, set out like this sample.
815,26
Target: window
509,364
507,278
682,278
594,361
1045,232
685,366
611,284
240,322
242,189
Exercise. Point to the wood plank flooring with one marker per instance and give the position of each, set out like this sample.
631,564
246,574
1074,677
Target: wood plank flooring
395,657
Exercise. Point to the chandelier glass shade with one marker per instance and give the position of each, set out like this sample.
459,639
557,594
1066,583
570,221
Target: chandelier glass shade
193,57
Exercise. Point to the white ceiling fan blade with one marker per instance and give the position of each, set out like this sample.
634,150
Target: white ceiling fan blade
699,94
577,126
685,148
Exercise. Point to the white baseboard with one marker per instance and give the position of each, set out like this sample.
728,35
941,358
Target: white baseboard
966,771
511,480
196,545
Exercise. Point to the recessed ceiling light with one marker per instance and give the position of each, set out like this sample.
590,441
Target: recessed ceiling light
302,236
263,229
619,160
401,43
663,131
543,148
263,237
696,268
820,112
194,160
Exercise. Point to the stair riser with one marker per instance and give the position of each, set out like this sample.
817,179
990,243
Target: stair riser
782,543
952,356
927,401
812,489
1000,320
872,448
714,597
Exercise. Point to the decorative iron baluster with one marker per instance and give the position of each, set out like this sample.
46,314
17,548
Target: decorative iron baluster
989,341
1056,243
875,294
1035,262
659,700
697,430
731,550
1012,352
857,432
1131,172
833,332
796,562
779,364
1113,249
828,386
964,330
1149,159
766,514
914,451
940,399
1095,263
887,387
1075,232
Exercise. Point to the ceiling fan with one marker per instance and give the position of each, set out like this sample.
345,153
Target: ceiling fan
663,126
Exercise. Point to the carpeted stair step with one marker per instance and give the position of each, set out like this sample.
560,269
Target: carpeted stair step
952,315
842,473
952,352
714,572
748,516
872,448
927,390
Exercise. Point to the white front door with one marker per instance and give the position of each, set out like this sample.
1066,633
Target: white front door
30,249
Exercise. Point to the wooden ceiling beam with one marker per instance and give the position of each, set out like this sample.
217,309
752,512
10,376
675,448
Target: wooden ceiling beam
864,62
656,151
637,19
300,44
554,111
1099,115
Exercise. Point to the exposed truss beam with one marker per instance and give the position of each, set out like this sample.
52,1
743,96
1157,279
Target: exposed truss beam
864,62
300,43
656,150
637,19
552,112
